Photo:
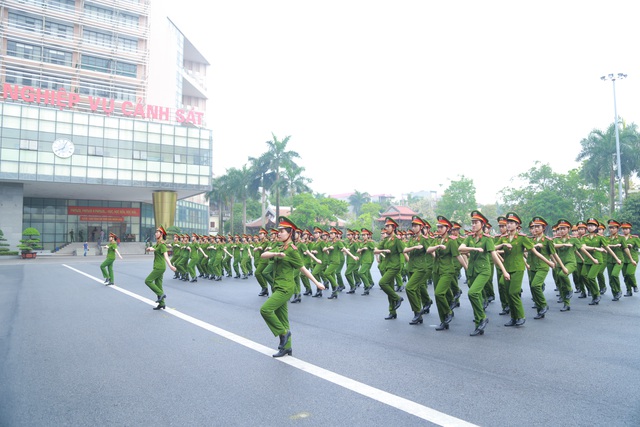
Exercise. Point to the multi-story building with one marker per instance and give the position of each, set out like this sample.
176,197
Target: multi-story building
102,121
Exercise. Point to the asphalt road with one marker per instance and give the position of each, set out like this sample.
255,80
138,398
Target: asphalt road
75,352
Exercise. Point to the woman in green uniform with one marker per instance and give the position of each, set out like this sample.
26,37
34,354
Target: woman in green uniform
392,248
286,261
160,257
481,250
614,259
417,266
365,252
514,244
444,271
566,247
631,244
107,266
542,259
593,248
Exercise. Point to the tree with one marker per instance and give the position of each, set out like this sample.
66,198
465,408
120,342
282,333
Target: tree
261,179
277,158
294,182
357,199
458,200
553,196
631,211
599,156
31,241
4,247
219,196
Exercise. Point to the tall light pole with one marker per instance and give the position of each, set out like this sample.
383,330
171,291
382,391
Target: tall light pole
613,78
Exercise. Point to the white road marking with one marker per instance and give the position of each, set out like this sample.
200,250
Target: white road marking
405,405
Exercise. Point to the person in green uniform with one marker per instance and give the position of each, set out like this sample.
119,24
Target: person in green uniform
392,248
245,257
107,265
566,247
160,258
286,261
445,250
317,250
352,261
631,245
593,248
175,248
513,246
365,253
615,257
481,250
488,292
333,251
417,269
455,283
580,281
502,291
602,283
261,263
237,257
542,259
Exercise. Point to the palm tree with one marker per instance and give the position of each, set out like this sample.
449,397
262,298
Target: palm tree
261,178
294,181
244,193
358,199
278,158
233,182
599,156
218,197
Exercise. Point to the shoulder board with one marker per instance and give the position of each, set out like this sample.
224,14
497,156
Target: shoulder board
453,237
634,235
487,235
294,246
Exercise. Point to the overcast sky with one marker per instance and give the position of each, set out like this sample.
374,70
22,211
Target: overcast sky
403,96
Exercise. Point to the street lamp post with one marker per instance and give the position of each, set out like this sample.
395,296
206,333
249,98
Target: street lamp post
613,78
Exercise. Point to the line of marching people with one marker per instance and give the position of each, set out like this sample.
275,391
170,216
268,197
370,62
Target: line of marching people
410,260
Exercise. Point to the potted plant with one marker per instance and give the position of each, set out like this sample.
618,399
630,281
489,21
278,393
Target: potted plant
4,247
30,243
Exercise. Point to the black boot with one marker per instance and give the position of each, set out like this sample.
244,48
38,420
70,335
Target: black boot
417,318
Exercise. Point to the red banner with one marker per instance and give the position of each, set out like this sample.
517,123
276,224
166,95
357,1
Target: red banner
90,218
93,210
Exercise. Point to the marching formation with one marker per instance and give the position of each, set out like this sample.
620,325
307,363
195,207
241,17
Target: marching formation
286,262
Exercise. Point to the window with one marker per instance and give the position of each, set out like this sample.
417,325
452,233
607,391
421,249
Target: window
58,30
97,38
22,50
128,20
27,144
127,45
99,13
139,155
25,22
96,64
124,69
95,151
57,57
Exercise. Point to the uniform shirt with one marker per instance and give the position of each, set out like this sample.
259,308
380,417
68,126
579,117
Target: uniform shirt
396,246
513,258
158,256
366,256
567,254
547,249
111,250
444,257
633,242
335,255
480,262
594,241
284,269
618,250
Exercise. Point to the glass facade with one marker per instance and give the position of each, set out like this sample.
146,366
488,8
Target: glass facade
52,218
108,150
119,160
